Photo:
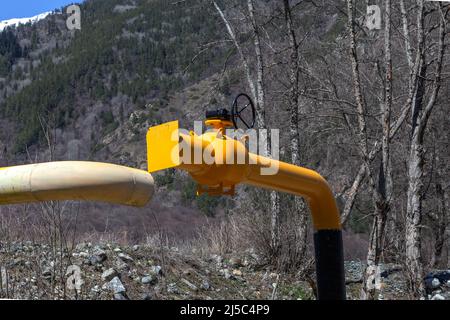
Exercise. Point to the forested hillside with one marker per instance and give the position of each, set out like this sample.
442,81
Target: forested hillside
366,108
139,51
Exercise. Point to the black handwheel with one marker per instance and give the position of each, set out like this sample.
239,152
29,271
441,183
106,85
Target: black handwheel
243,111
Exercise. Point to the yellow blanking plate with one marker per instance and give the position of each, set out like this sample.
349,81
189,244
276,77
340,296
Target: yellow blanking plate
163,147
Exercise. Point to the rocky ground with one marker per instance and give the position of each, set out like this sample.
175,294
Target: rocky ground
108,271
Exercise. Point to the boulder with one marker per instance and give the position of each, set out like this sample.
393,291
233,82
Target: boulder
156,270
438,297
109,274
125,258
98,256
149,280
116,286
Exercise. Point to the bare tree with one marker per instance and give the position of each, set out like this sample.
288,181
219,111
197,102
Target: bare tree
294,101
380,192
421,114
439,223
381,188
413,92
257,87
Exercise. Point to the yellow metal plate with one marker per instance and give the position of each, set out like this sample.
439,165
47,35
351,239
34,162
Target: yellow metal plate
162,147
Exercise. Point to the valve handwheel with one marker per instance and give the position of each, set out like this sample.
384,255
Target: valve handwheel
243,111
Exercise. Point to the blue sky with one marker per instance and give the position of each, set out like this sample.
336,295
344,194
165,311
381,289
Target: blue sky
27,8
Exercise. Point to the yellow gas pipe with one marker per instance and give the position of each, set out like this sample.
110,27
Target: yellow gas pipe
75,180
168,147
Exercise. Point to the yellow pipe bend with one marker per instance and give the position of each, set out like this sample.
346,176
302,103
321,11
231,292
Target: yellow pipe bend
300,182
289,178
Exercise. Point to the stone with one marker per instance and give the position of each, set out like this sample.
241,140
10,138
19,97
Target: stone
438,297
156,270
47,273
98,256
126,258
147,296
226,273
172,288
149,280
80,246
116,286
237,273
205,285
96,289
435,283
117,250
436,279
217,259
109,274
121,265
120,296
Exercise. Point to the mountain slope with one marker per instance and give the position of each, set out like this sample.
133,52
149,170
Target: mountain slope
127,54
18,21
96,91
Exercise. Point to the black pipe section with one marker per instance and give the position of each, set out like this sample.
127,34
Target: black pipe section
329,265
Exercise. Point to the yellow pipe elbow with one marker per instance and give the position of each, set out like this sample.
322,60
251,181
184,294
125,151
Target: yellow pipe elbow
300,182
220,162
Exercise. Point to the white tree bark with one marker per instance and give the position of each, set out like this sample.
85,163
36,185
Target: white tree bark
439,226
257,88
261,121
244,60
294,134
405,25
414,213
260,86
413,90
383,191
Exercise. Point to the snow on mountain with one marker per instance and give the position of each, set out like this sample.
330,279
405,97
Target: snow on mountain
18,21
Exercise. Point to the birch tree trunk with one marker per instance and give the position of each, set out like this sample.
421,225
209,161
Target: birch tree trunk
383,191
377,232
413,89
439,226
294,134
414,214
242,56
257,87
261,120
